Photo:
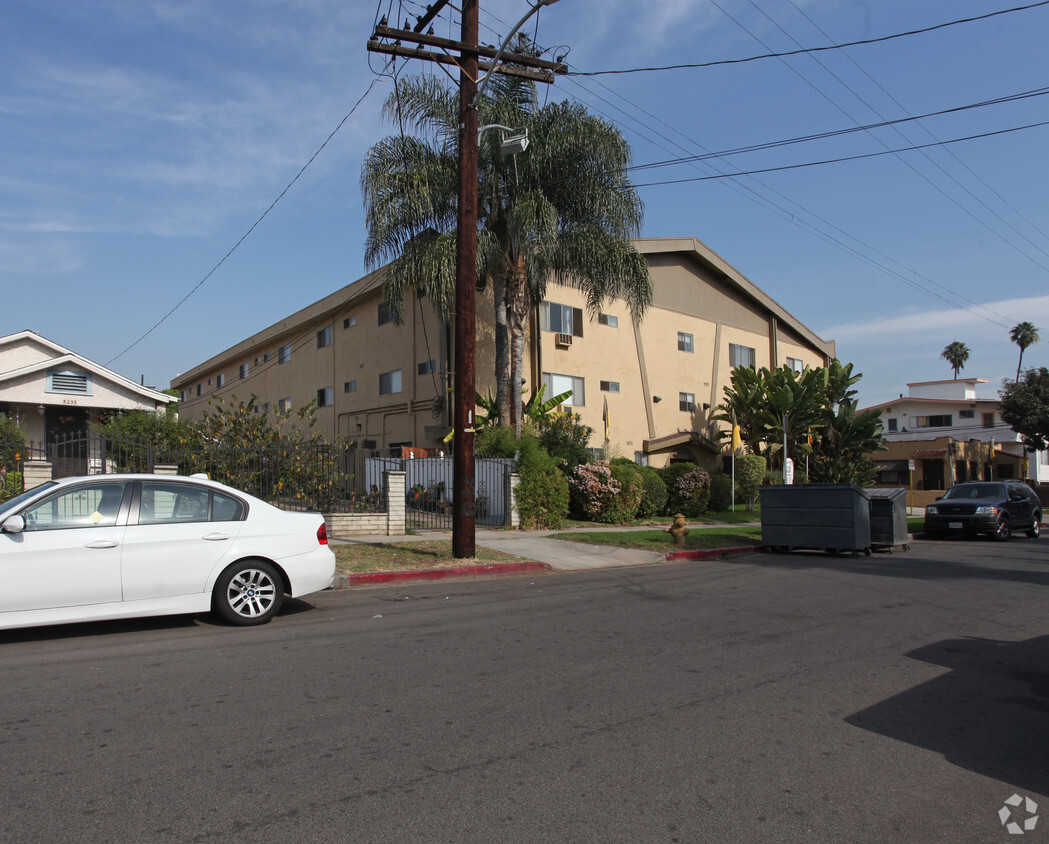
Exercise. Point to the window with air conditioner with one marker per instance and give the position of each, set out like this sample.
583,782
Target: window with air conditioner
561,319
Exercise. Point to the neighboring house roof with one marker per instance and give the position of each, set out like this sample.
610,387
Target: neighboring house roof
915,400
58,355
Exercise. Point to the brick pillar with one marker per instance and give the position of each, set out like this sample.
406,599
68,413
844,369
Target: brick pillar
395,502
165,469
35,472
513,518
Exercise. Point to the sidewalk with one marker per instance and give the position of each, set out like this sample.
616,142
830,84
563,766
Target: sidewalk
556,554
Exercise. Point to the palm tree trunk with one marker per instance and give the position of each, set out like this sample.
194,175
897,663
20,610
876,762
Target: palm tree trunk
517,303
502,350
1019,364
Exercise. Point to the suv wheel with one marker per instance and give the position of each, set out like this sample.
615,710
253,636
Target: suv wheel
1003,532
1035,530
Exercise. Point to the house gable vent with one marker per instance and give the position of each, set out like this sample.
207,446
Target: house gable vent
68,381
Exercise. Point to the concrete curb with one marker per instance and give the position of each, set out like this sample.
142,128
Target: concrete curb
707,553
345,581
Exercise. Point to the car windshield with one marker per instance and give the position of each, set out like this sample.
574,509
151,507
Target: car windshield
991,491
13,504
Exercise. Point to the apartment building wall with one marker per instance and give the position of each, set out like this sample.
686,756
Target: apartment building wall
660,377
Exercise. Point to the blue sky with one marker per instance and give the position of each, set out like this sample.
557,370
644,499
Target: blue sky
143,138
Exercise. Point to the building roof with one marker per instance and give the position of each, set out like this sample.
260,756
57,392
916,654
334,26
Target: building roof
60,355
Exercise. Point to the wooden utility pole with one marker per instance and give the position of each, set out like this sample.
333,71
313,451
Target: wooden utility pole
392,42
463,524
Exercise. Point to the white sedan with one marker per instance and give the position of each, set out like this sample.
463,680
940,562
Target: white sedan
125,546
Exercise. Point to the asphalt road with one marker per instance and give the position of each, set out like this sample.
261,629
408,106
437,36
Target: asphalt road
765,698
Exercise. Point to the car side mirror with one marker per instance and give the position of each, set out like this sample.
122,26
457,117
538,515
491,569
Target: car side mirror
939,498
14,524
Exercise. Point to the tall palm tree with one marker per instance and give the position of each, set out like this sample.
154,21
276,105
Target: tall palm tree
956,354
562,210
1023,334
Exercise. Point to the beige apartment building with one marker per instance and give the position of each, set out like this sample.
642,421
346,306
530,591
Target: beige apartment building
387,385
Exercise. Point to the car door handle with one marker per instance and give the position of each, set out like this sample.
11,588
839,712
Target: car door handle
216,537
102,543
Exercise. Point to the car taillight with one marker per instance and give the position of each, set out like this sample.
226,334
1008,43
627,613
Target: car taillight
322,534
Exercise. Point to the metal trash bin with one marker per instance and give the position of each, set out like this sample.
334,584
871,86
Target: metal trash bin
889,518
830,517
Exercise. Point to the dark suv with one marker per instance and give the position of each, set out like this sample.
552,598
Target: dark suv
995,508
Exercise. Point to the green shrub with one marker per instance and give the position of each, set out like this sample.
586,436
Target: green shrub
12,444
750,472
654,493
691,492
720,492
670,474
496,441
542,494
565,438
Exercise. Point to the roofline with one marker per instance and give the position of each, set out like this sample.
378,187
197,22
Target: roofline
65,355
948,381
292,324
929,401
698,249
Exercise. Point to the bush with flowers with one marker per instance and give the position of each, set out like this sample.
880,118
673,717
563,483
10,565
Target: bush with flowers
604,493
688,487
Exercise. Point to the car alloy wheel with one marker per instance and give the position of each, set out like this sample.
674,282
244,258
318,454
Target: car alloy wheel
1035,530
1003,532
249,592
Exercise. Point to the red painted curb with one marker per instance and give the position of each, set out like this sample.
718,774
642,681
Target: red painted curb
706,553
439,574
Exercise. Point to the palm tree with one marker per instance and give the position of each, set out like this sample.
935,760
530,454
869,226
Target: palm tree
1023,334
562,210
956,354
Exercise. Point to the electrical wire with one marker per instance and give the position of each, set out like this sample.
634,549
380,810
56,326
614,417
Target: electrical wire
807,50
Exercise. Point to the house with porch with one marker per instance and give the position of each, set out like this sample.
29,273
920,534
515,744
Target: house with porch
52,392
942,433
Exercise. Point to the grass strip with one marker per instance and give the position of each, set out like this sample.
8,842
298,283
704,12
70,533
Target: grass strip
658,540
361,557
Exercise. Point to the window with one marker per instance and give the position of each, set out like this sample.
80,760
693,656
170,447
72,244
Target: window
324,337
426,367
244,370
200,389
684,342
967,414
561,319
325,397
686,402
609,320
284,354
640,458
257,361
182,395
893,424
68,381
384,313
220,381
557,384
266,357
610,386
988,420
284,405
741,355
390,382
89,505
349,322
941,421
167,503
349,387
267,407
795,365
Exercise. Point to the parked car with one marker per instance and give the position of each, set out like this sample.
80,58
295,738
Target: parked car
126,546
995,508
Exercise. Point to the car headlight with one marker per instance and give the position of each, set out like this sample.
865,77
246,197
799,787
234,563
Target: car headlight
989,510
932,509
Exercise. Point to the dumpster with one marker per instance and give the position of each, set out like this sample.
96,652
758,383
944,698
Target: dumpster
888,518
829,517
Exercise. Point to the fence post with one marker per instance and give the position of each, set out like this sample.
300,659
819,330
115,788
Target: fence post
35,472
395,503
513,517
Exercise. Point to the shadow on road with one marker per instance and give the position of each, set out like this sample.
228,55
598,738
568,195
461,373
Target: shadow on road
908,564
988,714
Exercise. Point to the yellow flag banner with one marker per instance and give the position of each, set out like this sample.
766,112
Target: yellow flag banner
737,441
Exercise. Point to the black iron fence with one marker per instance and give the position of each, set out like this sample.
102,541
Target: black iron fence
326,477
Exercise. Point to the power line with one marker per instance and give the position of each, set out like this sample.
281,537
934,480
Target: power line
806,50
254,225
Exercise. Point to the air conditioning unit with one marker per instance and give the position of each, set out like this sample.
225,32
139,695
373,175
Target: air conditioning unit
563,340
